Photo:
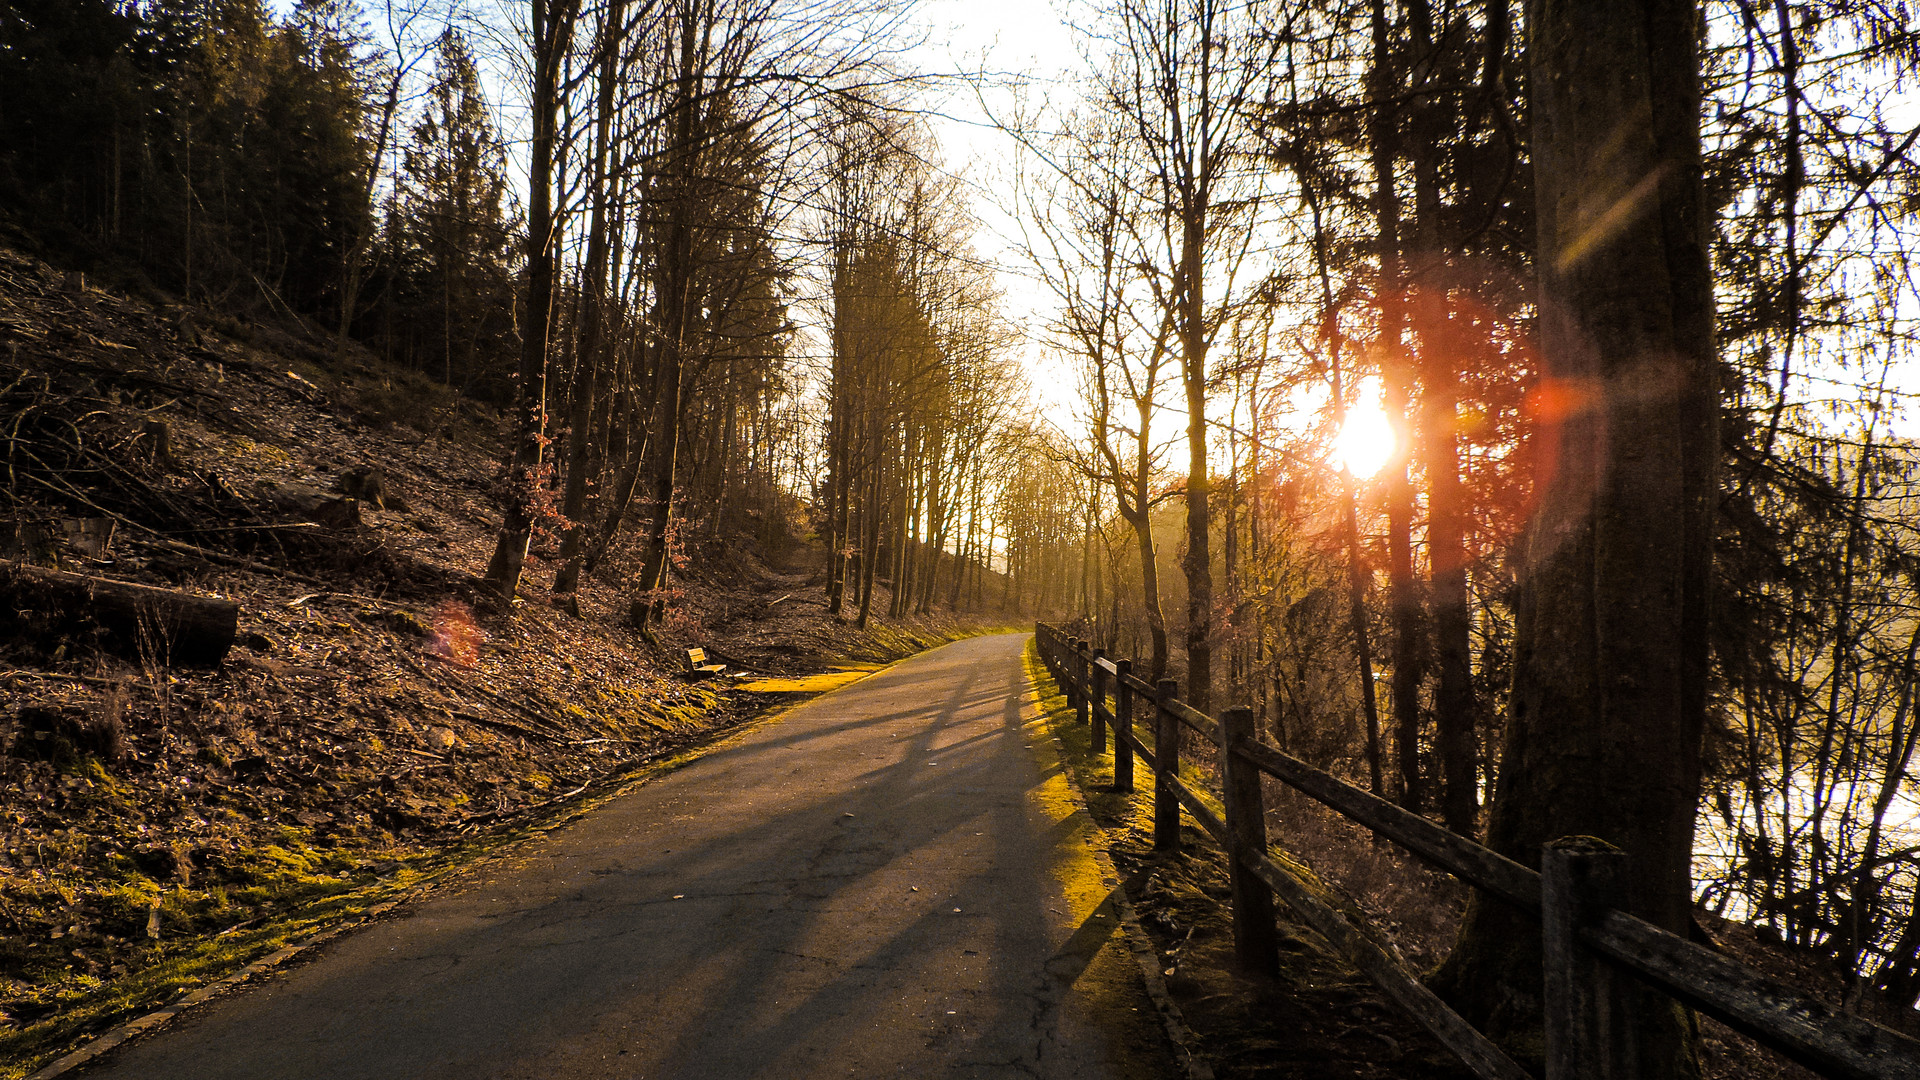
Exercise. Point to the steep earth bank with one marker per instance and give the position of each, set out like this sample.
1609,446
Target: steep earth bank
378,717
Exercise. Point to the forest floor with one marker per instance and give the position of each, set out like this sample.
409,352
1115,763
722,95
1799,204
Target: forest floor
381,718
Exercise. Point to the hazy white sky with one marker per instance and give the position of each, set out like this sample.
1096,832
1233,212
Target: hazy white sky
1009,41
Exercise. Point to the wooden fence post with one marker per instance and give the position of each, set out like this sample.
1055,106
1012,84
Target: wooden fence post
1256,942
1590,1026
1166,763
1067,659
1099,682
1084,696
1122,728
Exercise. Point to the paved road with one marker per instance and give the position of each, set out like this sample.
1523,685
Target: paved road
889,881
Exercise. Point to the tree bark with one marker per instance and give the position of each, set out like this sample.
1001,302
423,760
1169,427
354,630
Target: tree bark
589,363
676,293
1453,699
1198,562
1395,377
1610,667
551,25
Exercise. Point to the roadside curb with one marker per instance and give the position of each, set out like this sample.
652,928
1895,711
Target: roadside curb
1172,1020
161,1016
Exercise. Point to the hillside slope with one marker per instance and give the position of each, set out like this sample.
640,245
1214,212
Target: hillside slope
158,824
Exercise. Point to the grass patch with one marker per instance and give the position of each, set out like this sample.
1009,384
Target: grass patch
84,1007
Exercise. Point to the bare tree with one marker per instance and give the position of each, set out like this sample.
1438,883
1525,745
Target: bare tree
1088,253
1180,72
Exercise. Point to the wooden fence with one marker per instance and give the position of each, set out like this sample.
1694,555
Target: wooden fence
1587,940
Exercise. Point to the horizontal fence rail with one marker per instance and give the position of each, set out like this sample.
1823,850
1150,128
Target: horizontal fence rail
1586,938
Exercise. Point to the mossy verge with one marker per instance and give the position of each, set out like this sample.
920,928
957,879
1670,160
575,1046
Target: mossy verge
316,907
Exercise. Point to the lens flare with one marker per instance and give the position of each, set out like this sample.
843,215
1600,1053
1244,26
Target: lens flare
456,637
1365,442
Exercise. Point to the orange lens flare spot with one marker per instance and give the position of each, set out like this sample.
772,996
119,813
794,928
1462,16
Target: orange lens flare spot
1556,400
456,637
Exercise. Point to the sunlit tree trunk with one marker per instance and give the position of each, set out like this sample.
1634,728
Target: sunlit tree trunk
1453,704
552,27
1397,393
674,298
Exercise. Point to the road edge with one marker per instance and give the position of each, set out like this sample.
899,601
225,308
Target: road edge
1173,1022
150,1022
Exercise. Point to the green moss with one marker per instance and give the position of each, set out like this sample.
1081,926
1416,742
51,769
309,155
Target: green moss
406,622
245,454
83,1004
126,905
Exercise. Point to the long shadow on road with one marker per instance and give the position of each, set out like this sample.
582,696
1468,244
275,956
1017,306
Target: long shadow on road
890,880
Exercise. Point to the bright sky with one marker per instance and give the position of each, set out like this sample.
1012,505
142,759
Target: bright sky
1031,39
1026,42
1018,41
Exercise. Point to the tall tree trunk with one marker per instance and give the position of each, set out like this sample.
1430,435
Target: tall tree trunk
1230,544
904,523
840,511
551,26
1362,637
1198,562
870,546
1142,525
1397,396
586,375
1404,600
839,437
676,296
661,469
1453,700
1610,665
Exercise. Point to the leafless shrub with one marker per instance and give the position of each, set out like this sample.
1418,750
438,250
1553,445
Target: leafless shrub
1418,907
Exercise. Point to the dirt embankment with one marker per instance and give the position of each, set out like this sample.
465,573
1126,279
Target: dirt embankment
377,715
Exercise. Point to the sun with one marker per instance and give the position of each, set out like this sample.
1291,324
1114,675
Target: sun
1366,438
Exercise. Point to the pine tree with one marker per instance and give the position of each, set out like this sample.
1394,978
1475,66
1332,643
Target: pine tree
449,309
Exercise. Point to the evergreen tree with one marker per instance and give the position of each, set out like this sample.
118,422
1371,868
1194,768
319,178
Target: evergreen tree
314,152
450,302
72,111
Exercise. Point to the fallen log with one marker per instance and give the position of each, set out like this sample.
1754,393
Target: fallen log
141,621
319,507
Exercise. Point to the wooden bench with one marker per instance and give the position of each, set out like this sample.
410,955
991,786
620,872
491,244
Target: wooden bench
697,666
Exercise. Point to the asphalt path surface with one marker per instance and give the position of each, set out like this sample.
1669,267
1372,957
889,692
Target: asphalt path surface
890,880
